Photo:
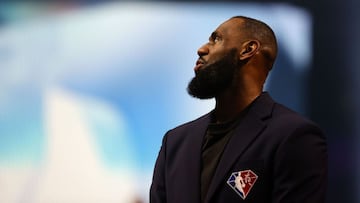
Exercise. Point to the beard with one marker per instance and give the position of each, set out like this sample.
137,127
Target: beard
212,79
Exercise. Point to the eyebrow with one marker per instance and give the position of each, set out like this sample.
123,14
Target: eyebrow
214,35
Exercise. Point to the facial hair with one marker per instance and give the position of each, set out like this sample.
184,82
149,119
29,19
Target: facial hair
212,79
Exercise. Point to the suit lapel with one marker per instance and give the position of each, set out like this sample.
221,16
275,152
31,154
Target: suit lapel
193,164
250,127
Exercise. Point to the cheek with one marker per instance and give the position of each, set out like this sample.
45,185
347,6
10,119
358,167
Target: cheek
216,55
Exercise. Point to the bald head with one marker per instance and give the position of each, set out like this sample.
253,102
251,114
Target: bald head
253,29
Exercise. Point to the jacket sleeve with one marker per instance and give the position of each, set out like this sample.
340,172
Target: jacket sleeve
158,186
300,168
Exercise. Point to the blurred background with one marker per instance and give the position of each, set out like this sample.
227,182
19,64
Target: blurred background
88,89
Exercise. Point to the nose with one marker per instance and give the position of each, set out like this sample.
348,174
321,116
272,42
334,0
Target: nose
203,50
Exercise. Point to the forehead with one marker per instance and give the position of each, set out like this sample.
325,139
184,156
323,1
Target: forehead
230,27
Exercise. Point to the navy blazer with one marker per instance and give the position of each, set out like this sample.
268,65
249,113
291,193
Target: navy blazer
285,153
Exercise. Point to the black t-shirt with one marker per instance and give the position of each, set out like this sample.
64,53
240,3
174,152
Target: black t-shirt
215,140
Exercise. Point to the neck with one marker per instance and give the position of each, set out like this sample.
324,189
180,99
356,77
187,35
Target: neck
230,104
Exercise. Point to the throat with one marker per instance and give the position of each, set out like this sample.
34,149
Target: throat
229,109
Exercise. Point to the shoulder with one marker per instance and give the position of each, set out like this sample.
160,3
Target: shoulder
188,132
188,126
285,126
296,136
286,118
278,118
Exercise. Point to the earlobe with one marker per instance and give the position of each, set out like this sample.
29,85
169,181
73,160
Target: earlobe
249,49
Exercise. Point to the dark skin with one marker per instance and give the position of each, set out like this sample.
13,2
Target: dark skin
251,75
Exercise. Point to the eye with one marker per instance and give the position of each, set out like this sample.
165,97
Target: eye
217,39
214,38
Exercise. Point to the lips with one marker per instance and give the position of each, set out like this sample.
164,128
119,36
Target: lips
200,62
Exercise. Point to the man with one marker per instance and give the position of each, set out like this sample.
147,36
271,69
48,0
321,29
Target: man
249,148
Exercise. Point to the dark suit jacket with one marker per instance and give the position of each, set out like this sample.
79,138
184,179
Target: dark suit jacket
285,151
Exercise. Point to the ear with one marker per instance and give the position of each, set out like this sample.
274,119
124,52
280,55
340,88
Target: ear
249,48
